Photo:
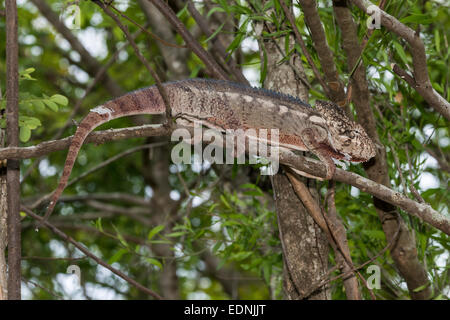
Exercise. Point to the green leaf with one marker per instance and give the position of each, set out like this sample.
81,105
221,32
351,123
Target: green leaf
120,237
154,262
59,99
98,224
25,134
215,33
215,9
117,256
154,231
38,103
217,246
176,234
264,69
437,40
421,287
25,74
30,122
239,38
418,18
182,11
242,255
53,106
28,70
401,53
224,201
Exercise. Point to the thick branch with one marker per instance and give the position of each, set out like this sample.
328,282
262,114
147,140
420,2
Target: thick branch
311,166
13,166
423,211
97,137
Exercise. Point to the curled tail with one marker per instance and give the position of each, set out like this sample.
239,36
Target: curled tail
88,124
145,101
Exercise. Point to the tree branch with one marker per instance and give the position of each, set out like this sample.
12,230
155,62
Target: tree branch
13,165
207,59
90,64
301,43
308,165
421,78
324,52
421,210
97,137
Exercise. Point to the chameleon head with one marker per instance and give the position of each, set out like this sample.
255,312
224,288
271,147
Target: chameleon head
348,138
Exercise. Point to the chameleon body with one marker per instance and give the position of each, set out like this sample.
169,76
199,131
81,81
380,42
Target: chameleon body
326,131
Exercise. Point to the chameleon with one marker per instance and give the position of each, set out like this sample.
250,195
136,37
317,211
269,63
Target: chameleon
324,130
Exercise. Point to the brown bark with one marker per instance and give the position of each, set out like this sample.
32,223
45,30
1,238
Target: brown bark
326,56
13,165
305,248
3,233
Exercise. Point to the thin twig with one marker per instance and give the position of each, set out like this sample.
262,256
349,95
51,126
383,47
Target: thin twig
227,59
144,61
80,247
301,43
154,36
212,66
419,59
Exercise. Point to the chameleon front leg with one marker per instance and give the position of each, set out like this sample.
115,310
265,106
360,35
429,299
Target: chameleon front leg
308,137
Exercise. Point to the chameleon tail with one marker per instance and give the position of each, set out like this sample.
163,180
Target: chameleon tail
146,101
88,124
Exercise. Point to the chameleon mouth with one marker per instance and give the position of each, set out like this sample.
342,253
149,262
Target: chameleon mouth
340,156
332,152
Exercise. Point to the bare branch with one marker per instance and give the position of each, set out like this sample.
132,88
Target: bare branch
210,63
326,56
423,211
299,39
97,137
217,44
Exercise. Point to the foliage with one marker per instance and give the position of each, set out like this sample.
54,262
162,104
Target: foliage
234,219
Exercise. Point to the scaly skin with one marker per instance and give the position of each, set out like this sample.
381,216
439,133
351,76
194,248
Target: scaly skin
325,131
